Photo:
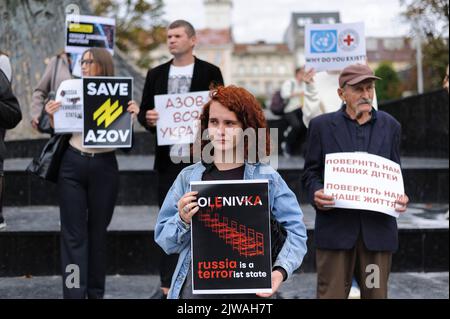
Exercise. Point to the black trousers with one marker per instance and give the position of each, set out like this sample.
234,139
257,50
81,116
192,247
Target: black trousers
297,135
87,190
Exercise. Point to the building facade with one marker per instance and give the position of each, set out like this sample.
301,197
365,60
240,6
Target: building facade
262,67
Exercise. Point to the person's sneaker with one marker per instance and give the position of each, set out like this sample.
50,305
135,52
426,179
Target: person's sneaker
2,223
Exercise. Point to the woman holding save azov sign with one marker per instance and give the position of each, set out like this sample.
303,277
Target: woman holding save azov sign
230,111
87,192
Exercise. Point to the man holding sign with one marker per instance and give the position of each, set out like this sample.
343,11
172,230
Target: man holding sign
184,73
343,236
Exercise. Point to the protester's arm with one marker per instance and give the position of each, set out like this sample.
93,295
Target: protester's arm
396,141
286,91
10,114
402,203
288,213
171,232
217,78
313,169
51,108
147,101
41,91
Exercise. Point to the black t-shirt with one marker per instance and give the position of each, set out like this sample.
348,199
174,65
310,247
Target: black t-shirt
212,173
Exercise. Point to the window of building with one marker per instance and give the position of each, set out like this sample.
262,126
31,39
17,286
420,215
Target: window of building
241,69
371,44
255,69
393,44
302,21
268,88
254,88
328,20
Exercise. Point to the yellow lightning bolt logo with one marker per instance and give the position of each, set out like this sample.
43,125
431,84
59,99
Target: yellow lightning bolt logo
107,113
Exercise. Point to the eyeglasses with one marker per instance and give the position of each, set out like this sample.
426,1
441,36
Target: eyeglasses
88,61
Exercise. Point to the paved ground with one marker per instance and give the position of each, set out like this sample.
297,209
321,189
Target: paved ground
300,286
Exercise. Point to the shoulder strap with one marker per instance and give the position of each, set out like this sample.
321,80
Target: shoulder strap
55,70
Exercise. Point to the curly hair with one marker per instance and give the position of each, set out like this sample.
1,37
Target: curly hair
248,111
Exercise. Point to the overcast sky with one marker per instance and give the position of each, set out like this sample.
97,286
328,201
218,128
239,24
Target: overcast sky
268,19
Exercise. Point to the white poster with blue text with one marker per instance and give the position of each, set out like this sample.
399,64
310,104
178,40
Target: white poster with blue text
334,46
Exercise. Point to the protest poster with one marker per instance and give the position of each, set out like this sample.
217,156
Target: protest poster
106,120
230,238
363,181
331,47
179,116
89,32
69,117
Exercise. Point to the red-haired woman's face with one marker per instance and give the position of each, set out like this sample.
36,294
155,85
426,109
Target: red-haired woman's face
224,128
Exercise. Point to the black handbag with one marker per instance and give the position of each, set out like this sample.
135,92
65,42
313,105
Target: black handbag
277,237
46,166
44,119
44,125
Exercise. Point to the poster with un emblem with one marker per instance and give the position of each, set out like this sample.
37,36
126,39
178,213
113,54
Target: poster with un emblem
334,46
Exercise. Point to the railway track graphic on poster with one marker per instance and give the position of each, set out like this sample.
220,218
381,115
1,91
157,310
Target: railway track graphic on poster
230,237
245,240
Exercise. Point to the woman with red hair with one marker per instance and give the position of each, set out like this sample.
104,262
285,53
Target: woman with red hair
231,149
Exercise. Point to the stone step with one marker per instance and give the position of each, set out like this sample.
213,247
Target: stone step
410,285
30,242
143,144
426,181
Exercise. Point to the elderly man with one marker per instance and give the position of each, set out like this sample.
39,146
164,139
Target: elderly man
348,241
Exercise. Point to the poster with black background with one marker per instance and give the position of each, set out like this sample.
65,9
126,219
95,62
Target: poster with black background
231,237
84,32
107,124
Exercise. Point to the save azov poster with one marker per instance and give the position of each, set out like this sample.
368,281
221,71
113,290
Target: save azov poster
107,123
231,238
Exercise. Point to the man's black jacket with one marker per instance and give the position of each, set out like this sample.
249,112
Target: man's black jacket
204,75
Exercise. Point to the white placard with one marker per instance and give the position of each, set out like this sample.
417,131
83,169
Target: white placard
179,116
69,117
334,46
363,181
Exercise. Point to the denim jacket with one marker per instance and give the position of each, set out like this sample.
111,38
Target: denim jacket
174,235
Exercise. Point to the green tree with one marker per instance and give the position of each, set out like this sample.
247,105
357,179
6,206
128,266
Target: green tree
139,26
431,18
390,87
